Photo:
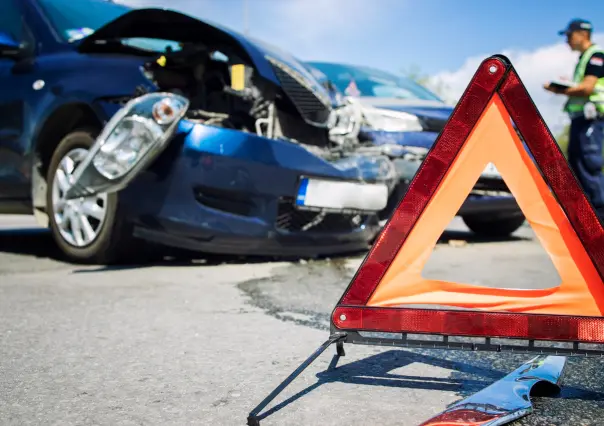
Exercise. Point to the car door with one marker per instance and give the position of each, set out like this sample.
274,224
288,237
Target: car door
14,161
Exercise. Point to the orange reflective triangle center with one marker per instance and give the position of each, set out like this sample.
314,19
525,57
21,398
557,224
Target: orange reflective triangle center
494,140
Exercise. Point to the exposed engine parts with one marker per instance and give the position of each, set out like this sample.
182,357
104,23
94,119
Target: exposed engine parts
224,91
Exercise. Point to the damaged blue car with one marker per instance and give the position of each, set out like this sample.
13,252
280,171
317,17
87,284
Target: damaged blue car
402,119
121,126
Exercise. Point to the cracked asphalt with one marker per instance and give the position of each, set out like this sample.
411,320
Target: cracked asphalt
203,341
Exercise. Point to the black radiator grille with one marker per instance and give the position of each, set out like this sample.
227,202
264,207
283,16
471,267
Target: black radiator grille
227,201
308,103
290,219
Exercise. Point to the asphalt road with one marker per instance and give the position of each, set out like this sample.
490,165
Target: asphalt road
204,341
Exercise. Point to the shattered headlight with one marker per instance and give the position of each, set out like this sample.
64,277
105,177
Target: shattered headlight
391,121
141,128
134,136
128,142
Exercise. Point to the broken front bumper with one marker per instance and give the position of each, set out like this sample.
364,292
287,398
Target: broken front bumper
225,191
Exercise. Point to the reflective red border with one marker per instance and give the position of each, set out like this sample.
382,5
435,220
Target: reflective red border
495,75
477,324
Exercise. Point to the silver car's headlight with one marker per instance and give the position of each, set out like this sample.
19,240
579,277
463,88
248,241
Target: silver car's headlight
368,167
392,121
140,128
346,122
133,137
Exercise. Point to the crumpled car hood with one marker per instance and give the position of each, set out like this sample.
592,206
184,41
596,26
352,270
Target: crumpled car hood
175,26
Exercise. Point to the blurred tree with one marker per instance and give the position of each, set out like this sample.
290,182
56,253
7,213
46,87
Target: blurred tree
415,73
562,140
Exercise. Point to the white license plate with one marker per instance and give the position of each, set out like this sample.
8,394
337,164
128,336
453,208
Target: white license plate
490,171
329,194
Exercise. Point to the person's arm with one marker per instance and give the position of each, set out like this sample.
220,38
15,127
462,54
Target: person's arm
585,88
593,71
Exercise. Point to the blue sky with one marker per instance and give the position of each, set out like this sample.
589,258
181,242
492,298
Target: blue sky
447,39
392,34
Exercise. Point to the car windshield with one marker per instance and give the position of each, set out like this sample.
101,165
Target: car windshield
76,19
364,81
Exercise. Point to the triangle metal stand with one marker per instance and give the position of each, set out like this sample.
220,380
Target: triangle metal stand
500,403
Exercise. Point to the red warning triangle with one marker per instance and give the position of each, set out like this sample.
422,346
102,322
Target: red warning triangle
382,294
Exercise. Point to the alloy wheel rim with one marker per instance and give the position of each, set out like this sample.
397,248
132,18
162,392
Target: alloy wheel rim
79,220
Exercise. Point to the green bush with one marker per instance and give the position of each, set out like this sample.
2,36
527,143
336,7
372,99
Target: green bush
562,140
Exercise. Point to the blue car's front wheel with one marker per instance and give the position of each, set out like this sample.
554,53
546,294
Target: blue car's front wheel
80,220
87,229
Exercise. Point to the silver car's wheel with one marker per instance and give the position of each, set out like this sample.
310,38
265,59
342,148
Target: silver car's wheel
80,220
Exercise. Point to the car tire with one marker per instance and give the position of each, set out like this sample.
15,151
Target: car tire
111,238
494,227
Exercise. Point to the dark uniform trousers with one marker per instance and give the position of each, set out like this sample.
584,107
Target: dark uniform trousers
586,140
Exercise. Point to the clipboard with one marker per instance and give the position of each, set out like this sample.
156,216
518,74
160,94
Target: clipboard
559,84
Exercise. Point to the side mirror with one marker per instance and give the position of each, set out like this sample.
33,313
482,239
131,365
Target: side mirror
9,48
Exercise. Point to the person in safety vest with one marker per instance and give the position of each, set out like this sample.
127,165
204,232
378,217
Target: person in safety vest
585,107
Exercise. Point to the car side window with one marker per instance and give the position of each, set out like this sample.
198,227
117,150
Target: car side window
11,20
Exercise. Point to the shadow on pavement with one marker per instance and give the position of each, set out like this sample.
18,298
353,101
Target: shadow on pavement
472,238
38,242
472,372
29,242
